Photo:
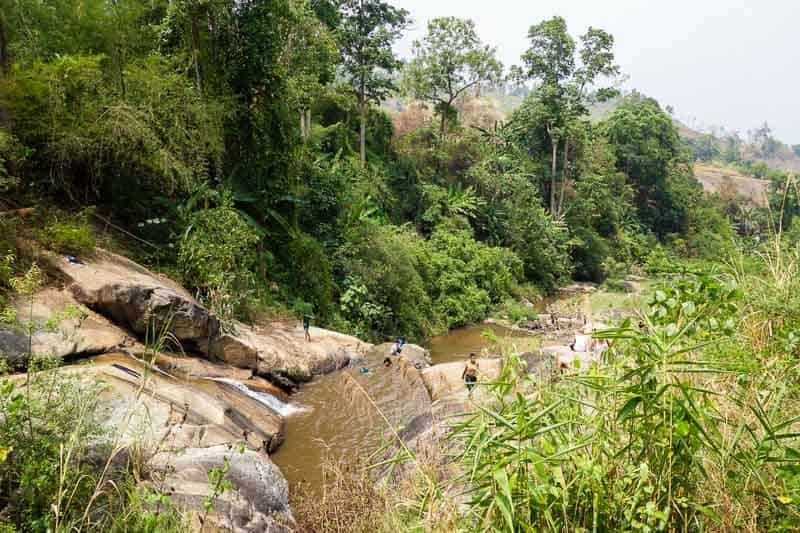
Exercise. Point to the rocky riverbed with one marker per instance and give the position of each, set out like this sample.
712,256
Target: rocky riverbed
189,392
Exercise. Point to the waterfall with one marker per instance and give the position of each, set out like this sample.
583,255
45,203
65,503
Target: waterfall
282,408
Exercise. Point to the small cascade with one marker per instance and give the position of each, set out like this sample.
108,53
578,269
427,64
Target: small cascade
282,408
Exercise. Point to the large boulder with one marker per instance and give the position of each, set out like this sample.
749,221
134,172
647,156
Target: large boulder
59,327
135,298
163,413
281,350
258,502
144,302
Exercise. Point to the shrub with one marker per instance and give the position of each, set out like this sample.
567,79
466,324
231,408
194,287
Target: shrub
386,267
308,273
72,236
467,277
216,256
517,312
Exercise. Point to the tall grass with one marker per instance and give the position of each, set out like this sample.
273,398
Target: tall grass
682,428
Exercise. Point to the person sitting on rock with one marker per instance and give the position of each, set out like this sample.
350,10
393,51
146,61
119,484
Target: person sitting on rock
398,346
470,373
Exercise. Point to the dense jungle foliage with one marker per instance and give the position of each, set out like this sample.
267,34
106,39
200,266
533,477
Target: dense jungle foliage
277,158
225,136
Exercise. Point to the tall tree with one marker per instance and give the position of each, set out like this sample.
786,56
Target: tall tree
310,60
448,61
565,81
366,32
648,150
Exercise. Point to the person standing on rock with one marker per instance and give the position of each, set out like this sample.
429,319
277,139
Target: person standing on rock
470,373
307,325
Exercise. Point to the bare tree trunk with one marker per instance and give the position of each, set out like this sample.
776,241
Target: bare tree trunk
554,164
363,136
302,125
442,125
196,52
5,60
308,122
563,178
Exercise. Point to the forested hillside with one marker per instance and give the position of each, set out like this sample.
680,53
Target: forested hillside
194,189
227,136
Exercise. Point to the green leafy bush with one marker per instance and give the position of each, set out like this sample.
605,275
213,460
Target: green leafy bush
516,311
310,275
467,277
387,267
217,256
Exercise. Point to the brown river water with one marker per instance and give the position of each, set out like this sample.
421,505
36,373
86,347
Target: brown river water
341,415
333,415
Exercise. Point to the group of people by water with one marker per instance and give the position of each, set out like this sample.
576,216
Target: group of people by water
584,342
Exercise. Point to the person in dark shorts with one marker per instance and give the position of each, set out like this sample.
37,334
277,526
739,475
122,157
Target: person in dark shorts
387,362
470,373
306,326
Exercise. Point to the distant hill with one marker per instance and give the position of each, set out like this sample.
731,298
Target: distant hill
732,184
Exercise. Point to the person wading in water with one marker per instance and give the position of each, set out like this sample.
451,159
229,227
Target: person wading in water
470,373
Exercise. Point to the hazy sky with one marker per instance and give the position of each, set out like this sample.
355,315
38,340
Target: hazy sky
734,63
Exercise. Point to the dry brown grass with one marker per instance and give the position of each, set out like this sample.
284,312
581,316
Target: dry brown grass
347,502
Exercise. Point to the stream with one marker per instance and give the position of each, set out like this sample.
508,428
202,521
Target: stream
334,416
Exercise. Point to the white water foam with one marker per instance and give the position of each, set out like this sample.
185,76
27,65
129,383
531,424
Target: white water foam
282,408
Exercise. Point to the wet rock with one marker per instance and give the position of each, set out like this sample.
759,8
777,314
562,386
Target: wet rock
192,368
578,288
540,364
13,347
631,286
416,354
281,382
532,325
